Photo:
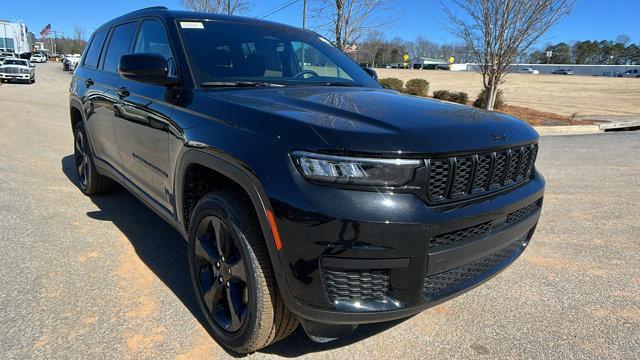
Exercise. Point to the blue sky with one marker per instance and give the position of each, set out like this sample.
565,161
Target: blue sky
590,20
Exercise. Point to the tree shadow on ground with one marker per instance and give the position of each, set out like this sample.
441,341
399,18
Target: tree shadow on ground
164,251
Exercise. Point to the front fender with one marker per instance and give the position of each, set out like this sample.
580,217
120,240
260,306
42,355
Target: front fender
234,170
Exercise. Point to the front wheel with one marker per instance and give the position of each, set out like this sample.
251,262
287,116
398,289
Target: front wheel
232,276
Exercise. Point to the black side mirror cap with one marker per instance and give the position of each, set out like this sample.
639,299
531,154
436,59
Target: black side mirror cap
371,73
147,68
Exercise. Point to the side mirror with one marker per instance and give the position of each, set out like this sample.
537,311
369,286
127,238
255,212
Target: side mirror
371,73
148,68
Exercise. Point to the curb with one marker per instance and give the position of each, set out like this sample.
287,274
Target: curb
588,129
568,130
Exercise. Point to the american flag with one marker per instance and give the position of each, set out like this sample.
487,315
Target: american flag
46,31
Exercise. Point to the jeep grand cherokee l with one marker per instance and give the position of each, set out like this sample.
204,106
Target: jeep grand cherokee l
307,193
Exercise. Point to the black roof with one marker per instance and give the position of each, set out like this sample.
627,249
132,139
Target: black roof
163,12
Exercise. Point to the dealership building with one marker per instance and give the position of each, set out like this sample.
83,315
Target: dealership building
14,36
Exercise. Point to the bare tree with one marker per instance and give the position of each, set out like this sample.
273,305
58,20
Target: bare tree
229,7
349,20
77,41
496,31
622,39
78,33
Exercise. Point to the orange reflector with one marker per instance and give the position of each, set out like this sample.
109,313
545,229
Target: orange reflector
274,229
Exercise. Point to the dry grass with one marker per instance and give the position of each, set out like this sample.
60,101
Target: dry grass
557,96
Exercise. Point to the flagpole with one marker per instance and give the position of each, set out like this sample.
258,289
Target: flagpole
4,35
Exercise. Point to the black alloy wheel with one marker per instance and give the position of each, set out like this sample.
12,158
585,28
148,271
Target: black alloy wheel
82,159
221,273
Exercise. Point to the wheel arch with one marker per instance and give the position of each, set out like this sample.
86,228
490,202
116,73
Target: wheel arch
75,113
227,167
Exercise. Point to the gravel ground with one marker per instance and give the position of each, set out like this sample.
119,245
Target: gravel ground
586,97
104,277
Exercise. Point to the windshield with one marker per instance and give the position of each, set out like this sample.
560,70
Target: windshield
222,52
14,62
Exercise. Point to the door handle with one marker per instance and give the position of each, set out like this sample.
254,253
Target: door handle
122,92
88,82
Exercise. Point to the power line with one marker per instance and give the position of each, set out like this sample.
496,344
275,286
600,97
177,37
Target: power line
279,8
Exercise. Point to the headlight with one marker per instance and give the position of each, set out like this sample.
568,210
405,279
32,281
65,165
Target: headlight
354,170
24,71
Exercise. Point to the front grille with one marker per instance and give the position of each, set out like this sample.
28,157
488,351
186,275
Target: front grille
356,285
462,177
520,213
459,235
448,282
10,70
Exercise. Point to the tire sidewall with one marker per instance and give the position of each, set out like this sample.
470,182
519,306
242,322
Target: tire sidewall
87,188
215,206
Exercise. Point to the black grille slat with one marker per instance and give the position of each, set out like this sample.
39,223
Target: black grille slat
499,167
439,174
356,285
524,163
459,235
481,177
512,167
461,177
532,160
463,171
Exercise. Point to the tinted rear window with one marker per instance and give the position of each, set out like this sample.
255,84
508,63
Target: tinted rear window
119,44
93,52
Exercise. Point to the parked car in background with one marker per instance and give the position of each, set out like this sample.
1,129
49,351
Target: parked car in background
529,71
73,62
14,69
6,55
307,193
563,72
70,61
633,73
38,58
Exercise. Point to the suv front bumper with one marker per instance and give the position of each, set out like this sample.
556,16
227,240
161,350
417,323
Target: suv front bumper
394,256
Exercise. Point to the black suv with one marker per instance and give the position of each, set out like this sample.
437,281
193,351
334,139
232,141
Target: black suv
307,193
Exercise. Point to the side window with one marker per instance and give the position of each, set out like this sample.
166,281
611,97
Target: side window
153,39
93,52
119,44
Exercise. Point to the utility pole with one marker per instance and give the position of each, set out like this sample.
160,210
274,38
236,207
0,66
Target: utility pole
304,26
304,14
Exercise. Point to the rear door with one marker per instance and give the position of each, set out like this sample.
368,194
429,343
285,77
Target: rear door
142,120
99,97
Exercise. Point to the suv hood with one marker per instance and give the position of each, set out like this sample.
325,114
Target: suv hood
382,121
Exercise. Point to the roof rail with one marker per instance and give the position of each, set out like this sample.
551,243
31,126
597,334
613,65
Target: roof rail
153,8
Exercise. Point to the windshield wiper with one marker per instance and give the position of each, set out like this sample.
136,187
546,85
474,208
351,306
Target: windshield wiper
239,84
337,83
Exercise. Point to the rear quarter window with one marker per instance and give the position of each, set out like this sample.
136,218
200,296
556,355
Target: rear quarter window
119,44
93,52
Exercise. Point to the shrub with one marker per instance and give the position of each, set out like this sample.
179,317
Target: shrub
392,83
457,97
481,100
419,87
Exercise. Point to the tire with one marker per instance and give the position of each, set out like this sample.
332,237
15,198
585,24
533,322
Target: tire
236,271
32,80
90,181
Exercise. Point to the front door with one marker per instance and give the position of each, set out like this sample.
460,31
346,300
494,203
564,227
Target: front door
143,119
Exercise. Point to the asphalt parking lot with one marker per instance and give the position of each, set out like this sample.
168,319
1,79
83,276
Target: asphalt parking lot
104,277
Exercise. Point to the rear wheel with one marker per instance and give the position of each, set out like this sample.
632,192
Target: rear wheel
91,182
232,277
